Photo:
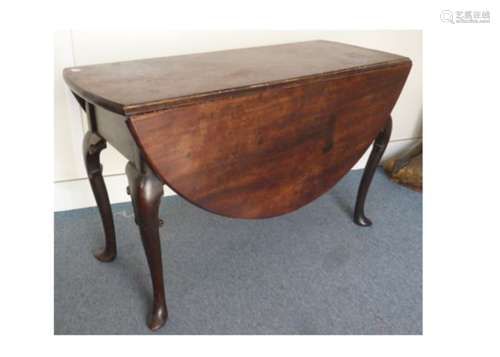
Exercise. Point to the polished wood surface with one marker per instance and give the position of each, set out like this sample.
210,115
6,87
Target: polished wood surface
271,151
249,133
140,86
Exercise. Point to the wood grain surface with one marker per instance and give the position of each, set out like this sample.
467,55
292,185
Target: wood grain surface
146,85
269,151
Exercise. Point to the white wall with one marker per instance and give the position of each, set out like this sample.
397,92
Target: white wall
75,48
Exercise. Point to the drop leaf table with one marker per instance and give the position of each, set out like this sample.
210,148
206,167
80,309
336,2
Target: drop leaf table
245,133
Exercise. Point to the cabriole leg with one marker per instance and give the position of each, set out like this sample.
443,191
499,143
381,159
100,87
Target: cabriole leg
146,191
378,150
92,147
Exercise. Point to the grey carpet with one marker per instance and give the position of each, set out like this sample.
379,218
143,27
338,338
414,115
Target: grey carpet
309,272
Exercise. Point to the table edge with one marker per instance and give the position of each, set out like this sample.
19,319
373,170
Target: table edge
167,103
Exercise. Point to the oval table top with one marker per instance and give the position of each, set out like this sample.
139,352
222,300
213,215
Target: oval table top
251,133
139,86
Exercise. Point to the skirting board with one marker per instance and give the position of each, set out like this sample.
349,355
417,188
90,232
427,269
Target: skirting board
76,194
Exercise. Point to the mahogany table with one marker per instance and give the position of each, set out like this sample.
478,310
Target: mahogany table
247,133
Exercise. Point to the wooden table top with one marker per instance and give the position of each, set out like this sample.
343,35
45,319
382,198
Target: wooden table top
142,86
